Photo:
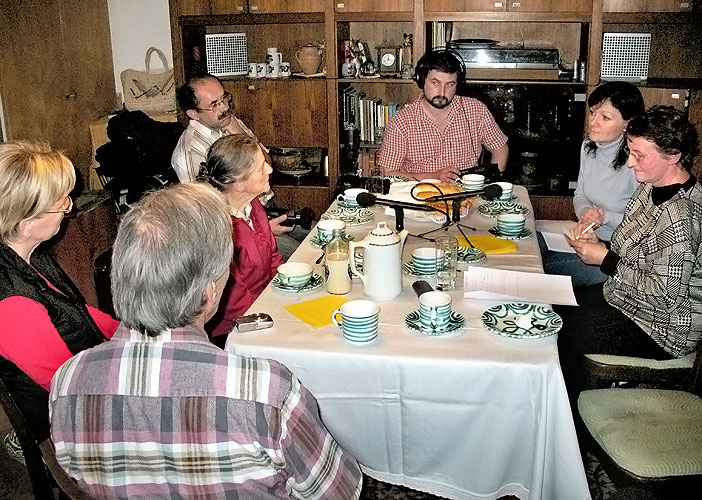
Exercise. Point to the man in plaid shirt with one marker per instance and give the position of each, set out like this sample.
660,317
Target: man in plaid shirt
158,411
440,133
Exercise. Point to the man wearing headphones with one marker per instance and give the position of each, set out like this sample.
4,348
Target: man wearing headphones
440,133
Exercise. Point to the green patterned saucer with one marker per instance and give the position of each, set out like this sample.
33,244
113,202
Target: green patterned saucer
397,178
315,282
469,255
495,208
317,242
456,322
522,321
351,216
526,233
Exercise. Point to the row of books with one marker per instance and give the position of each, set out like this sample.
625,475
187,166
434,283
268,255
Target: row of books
366,113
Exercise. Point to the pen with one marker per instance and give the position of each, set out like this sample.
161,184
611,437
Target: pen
592,224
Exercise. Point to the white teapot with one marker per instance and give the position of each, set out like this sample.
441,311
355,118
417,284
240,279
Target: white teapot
382,262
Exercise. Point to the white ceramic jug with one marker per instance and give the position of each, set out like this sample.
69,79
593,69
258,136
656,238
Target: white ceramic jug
382,262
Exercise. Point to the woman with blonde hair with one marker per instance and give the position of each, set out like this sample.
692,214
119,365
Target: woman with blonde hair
238,168
43,322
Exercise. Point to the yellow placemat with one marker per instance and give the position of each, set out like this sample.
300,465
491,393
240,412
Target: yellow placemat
317,312
489,244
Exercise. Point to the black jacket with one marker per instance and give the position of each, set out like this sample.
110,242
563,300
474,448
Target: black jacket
68,313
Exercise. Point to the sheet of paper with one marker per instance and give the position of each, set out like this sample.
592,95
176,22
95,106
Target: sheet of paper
516,286
557,242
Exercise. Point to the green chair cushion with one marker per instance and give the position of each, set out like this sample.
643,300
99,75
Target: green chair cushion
648,432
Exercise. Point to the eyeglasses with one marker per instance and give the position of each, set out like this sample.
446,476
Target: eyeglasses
637,156
65,208
226,99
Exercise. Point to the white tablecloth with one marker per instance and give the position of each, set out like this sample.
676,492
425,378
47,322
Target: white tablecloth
473,415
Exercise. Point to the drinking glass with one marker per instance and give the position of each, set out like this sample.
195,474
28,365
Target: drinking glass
447,262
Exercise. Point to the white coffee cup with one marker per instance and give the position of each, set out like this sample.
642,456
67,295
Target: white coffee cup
349,196
285,68
434,310
359,321
261,69
274,70
325,228
253,71
510,224
473,182
294,274
506,190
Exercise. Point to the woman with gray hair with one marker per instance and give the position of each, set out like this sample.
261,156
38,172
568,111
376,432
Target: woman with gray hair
43,322
237,167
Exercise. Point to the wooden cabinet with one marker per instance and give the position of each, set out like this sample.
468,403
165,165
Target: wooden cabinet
282,113
373,5
647,5
507,5
280,6
678,98
56,78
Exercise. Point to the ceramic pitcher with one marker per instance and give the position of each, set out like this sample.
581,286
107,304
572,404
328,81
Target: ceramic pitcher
382,262
309,58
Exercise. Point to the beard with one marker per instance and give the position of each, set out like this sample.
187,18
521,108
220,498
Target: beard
439,101
225,114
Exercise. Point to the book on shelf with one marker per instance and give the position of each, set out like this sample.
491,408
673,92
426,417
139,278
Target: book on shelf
366,113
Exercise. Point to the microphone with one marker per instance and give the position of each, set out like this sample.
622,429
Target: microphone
368,200
489,192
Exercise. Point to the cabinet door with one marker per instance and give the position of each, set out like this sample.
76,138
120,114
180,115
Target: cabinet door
207,7
664,97
276,6
549,5
373,5
647,6
465,5
283,113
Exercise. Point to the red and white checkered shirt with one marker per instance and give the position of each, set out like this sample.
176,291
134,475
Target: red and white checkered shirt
412,142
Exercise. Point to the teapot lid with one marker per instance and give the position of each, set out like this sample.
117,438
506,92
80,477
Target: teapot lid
384,232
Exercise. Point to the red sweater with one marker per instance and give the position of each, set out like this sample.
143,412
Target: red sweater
254,265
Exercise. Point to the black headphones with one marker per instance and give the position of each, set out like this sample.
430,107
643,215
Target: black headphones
440,59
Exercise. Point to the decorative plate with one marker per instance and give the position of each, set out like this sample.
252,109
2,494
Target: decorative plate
522,321
351,216
298,172
469,255
456,322
512,199
315,282
526,233
495,208
316,242
345,204
408,268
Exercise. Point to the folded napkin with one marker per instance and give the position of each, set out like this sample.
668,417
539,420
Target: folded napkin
489,244
317,312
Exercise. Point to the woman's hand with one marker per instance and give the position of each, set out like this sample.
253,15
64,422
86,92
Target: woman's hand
276,228
595,214
589,248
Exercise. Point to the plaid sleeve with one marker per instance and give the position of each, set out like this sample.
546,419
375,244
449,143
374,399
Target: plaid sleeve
393,150
317,466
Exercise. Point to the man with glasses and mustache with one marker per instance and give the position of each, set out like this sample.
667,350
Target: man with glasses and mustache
206,104
440,133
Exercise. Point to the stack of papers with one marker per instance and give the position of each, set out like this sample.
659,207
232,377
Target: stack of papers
483,283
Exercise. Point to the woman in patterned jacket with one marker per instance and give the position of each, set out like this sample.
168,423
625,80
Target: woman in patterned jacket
651,304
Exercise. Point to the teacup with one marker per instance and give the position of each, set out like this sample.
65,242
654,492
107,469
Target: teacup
424,260
434,310
294,274
325,229
510,224
359,321
349,196
506,190
473,182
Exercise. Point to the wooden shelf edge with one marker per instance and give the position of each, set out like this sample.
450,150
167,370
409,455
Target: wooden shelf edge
222,19
651,18
403,81
393,17
541,17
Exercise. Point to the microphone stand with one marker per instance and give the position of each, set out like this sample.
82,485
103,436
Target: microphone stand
453,219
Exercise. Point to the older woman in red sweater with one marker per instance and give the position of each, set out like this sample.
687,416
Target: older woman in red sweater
237,166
